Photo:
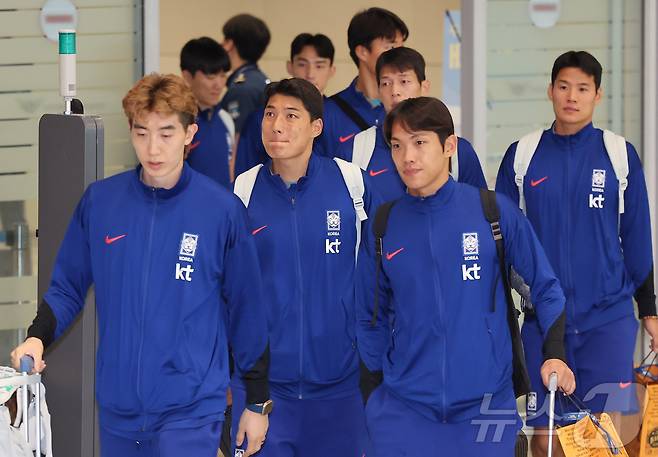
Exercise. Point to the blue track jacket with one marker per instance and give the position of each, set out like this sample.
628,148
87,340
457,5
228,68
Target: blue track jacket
601,265
211,147
442,337
387,181
306,237
176,279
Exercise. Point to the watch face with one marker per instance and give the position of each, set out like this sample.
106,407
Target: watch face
267,406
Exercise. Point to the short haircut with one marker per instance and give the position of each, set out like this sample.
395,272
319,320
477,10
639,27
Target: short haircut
205,55
402,59
163,94
321,43
578,59
422,113
250,36
301,89
370,24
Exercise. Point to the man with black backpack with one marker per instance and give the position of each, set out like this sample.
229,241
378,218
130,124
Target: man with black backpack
435,317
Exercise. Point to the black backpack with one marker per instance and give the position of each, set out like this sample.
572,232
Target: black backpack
520,375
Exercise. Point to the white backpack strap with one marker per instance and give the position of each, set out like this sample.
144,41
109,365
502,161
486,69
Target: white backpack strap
354,182
230,126
363,147
525,149
244,184
454,164
618,154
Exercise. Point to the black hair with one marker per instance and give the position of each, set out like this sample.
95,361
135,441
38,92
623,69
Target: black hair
582,60
401,59
422,113
301,89
205,55
373,23
321,43
250,36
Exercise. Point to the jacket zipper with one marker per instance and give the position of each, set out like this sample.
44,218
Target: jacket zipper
569,290
301,297
439,302
147,268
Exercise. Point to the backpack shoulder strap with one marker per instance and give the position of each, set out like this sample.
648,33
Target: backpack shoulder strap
454,164
615,145
379,230
363,147
350,112
520,377
525,149
244,184
354,182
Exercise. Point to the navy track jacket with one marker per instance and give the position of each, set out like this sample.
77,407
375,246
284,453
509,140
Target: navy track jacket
442,337
176,279
600,264
306,237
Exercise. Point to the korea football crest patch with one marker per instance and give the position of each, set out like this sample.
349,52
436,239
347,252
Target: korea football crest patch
188,245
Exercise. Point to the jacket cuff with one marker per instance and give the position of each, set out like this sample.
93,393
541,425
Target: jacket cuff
255,380
44,325
645,297
554,341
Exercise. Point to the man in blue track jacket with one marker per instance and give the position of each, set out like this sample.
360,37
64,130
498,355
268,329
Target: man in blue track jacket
306,220
312,59
440,332
204,64
596,235
176,279
401,75
357,107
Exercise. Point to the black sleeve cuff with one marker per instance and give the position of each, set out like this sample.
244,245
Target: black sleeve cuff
368,381
554,341
255,380
44,325
645,296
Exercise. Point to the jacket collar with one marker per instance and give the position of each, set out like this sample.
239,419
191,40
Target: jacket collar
160,193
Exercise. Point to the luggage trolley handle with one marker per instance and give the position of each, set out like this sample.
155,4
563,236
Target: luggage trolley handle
26,367
552,388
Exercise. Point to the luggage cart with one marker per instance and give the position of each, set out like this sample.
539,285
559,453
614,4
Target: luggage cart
23,381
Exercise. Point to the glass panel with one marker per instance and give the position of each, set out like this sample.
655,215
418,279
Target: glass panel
109,61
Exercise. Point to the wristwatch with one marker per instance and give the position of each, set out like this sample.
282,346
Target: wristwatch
261,408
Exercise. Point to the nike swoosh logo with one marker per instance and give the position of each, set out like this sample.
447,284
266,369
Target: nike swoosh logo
194,145
534,183
390,255
623,385
253,232
109,240
343,139
378,172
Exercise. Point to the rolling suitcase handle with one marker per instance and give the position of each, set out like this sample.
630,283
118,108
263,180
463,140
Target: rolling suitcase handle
552,388
26,366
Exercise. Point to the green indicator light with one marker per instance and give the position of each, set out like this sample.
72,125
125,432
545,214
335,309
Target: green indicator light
66,42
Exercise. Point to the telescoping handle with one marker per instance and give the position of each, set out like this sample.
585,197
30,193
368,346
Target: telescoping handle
552,388
26,367
26,364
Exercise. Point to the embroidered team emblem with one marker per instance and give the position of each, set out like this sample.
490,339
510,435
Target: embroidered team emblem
333,220
188,244
470,243
532,402
598,179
